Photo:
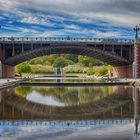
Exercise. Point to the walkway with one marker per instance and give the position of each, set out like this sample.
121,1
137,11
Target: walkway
8,82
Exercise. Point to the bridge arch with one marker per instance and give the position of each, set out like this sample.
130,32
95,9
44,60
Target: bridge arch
105,56
113,53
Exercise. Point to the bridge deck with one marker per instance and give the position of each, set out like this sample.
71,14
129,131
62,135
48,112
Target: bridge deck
61,39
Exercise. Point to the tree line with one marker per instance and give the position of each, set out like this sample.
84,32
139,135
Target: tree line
71,64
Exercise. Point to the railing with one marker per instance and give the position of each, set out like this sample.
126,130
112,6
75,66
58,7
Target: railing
80,123
68,39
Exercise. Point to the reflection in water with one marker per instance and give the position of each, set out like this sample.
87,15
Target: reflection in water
70,113
66,80
46,100
68,95
57,103
136,98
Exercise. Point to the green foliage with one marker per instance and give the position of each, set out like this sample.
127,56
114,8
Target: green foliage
102,71
68,95
72,57
90,71
88,61
99,70
75,69
42,69
60,62
23,92
72,64
44,60
23,68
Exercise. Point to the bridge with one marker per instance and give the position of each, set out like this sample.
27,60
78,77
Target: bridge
117,52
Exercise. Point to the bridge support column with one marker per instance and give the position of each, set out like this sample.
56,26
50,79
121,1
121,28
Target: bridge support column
0,69
122,71
8,71
1,56
0,97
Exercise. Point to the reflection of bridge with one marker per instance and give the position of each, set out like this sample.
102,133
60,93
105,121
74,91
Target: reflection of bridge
114,106
78,123
118,53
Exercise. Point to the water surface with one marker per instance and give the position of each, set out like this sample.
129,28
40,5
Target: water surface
64,113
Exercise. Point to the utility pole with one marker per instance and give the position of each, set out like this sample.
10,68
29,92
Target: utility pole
135,63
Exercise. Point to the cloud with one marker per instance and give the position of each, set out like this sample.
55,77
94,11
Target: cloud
120,11
105,34
8,5
35,20
108,18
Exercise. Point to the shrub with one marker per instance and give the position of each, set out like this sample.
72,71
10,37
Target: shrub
42,69
23,68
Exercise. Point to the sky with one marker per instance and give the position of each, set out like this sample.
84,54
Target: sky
73,18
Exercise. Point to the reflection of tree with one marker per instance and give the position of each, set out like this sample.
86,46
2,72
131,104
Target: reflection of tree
23,91
69,95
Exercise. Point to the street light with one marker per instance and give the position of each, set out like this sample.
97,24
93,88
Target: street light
136,29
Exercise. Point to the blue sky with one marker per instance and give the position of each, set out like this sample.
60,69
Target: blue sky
74,18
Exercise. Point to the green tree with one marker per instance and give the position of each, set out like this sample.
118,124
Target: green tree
88,61
72,57
102,71
23,68
60,62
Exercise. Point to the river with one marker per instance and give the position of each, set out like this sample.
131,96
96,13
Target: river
65,113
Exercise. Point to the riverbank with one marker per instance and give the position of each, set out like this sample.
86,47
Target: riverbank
11,82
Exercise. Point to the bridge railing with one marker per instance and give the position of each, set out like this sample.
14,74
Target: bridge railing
67,123
68,39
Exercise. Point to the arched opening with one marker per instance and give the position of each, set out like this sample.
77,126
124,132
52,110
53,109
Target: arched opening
105,56
69,64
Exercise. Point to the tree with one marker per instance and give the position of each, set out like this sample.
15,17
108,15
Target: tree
60,62
72,57
88,61
23,68
102,71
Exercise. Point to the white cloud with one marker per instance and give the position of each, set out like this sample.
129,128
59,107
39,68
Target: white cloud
34,20
105,34
116,11
72,27
8,5
44,12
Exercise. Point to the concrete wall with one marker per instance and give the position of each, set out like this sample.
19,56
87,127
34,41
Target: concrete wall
122,71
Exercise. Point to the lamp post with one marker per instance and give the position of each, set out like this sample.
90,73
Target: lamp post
136,29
